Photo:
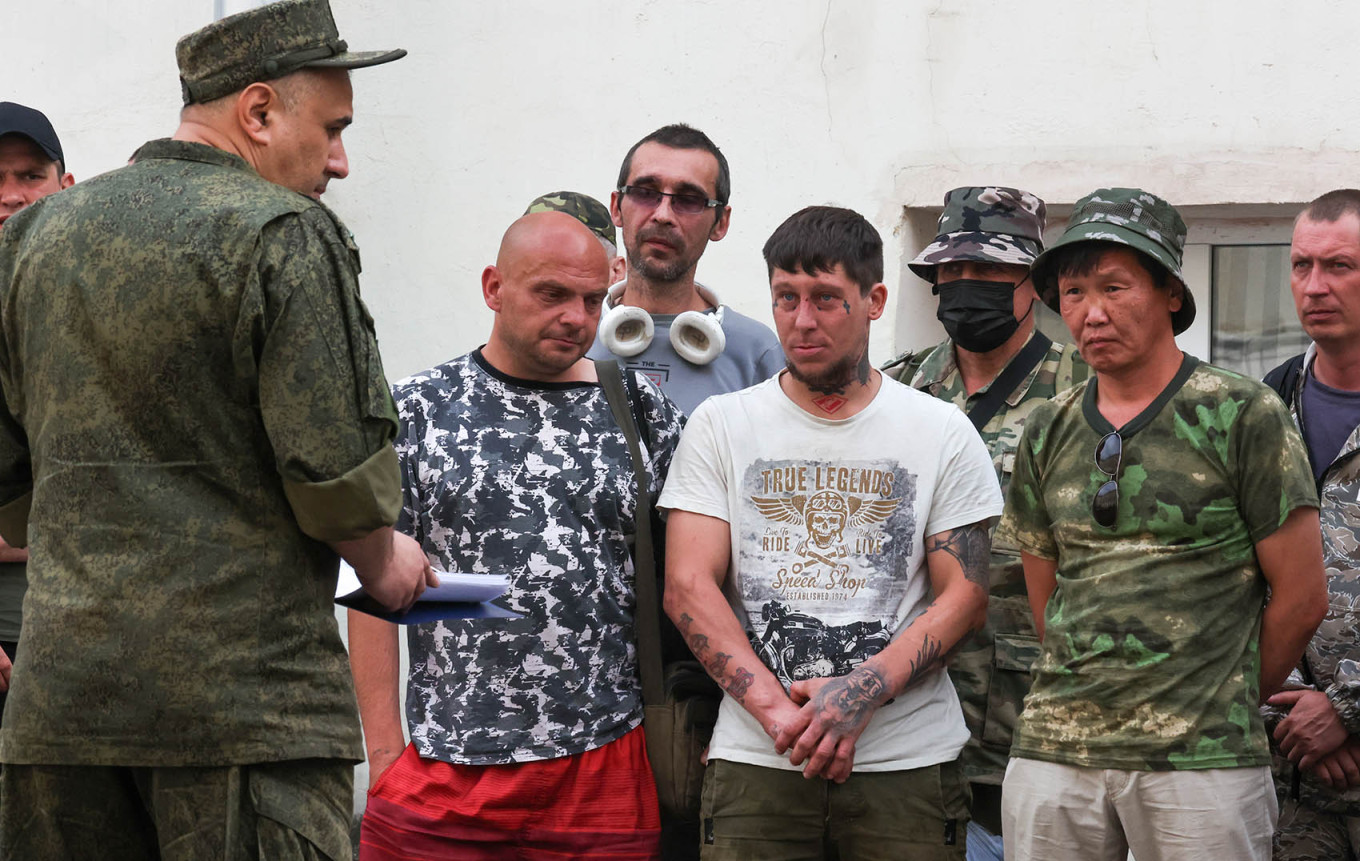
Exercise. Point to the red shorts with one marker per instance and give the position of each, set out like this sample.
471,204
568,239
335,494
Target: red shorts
600,804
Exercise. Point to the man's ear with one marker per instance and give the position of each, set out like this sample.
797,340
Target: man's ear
67,180
255,106
491,288
720,224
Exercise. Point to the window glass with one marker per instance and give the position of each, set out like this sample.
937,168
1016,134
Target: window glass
1255,327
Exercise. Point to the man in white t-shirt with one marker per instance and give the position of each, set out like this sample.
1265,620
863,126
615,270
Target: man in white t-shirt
828,547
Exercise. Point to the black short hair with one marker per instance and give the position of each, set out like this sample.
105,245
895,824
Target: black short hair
681,136
1080,258
816,238
1333,205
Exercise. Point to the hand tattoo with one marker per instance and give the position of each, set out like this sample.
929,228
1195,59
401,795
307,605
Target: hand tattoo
850,700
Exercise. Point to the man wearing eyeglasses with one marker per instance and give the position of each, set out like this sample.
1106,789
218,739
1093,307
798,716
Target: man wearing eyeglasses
1155,507
997,368
1316,720
670,202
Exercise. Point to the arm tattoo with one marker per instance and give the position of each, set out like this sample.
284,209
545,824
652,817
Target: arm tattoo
971,546
740,683
927,657
737,683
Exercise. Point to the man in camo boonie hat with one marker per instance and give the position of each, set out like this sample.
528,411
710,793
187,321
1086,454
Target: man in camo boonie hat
1127,216
263,44
979,266
586,209
991,223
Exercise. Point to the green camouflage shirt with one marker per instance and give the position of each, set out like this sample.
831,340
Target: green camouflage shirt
991,669
1150,659
195,403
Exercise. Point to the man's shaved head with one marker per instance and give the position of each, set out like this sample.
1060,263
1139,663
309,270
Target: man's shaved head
566,235
547,288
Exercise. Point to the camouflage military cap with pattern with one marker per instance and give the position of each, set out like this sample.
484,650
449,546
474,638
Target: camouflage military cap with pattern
1127,216
587,209
263,44
989,223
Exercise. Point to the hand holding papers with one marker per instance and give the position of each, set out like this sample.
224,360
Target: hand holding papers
458,596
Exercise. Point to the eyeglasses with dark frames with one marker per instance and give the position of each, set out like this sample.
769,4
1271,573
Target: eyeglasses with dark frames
683,202
1109,460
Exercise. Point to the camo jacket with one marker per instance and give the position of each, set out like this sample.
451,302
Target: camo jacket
532,480
1331,662
193,405
991,670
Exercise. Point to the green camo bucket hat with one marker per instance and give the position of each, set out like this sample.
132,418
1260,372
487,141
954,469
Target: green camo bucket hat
587,209
1127,216
987,223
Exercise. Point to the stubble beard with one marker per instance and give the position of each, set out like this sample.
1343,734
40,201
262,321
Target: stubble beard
833,380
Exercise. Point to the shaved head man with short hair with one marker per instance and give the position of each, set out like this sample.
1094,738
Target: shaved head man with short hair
513,464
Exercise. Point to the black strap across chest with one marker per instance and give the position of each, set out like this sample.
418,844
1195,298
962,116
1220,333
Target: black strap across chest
1008,380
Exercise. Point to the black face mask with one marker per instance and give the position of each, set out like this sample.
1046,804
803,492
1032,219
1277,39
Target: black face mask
978,315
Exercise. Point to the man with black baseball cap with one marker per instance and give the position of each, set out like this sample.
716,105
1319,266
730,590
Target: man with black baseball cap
196,422
31,162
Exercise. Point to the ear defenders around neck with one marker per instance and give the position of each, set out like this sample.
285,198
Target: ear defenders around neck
696,336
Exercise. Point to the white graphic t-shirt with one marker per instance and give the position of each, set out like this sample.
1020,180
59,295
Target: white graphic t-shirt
829,520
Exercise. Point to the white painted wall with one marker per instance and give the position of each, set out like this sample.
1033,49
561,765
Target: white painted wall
872,104
875,104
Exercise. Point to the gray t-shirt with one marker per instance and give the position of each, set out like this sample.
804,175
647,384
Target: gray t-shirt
752,355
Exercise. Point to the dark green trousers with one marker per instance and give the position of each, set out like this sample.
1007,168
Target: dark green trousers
284,811
751,813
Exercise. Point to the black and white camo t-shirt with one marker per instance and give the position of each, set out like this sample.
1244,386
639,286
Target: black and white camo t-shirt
534,481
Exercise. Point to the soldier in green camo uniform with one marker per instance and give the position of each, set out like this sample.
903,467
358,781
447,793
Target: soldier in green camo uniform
1155,506
592,214
1315,722
195,422
979,267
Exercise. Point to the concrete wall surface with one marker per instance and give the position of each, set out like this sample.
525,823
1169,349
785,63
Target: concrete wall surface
878,105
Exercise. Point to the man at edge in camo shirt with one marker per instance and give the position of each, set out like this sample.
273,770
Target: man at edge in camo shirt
1155,506
978,265
195,422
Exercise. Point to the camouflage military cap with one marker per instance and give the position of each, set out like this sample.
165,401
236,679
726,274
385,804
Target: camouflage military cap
1128,216
590,211
263,44
989,223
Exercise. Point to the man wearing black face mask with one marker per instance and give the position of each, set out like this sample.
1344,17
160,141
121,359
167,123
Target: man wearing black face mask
997,369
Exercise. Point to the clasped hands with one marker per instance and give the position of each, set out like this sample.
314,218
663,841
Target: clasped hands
1313,736
822,719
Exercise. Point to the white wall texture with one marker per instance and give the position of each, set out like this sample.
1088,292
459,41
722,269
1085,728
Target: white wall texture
876,105
879,105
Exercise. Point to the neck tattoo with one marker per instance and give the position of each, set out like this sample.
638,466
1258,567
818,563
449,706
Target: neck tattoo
830,403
